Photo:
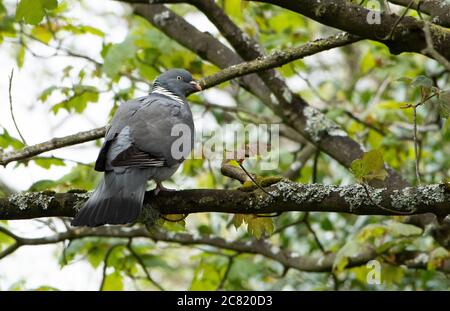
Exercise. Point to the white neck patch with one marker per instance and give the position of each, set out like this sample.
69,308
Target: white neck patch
160,90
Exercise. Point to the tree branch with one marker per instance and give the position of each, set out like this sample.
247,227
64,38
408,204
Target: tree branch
55,143
430,50
439,10
279,58
283,196
408,35
286,258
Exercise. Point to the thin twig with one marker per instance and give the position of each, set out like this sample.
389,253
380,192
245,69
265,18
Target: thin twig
311,230
335,281
254,180
227,272
415,139
389,36
142,264
315,166
105,264
11,107
276,214
416,151
176,220
365,123
297,222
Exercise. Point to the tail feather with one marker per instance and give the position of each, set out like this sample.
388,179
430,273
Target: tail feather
117,199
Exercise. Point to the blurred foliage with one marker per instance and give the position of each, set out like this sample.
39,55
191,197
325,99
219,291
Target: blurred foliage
361,87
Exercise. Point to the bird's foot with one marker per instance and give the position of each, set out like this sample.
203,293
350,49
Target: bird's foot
160,187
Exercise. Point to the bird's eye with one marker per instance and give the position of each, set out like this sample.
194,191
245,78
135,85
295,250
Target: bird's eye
179,78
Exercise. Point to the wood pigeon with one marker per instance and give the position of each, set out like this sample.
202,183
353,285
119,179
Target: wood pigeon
148,138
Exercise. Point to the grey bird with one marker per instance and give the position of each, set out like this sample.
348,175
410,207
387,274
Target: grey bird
148,138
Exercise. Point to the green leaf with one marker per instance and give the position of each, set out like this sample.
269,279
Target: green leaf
90,248
2,10
208,274
444,104
42,185
367,62
257,226
117,55
401,230
48,162
6,140
78,102
33,11
371,166
404,80
5,240
20,56
42,33
342,259
47,92
233,8
238,220
79,177
83,29
444,109
113,282
361,273
391,274
371,231
422,81
326,224
175,226
46,288
445,96
153,261
437,258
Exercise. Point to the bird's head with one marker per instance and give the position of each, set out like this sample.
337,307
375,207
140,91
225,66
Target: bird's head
177,81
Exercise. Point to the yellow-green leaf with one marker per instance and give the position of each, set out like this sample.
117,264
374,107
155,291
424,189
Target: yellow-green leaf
233,9
42,33
48,162
20,56
113,282
257,226
370,166
342,259
33,11
238,220
401,229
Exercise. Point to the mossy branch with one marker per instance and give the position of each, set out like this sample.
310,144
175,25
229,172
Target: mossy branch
284,196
